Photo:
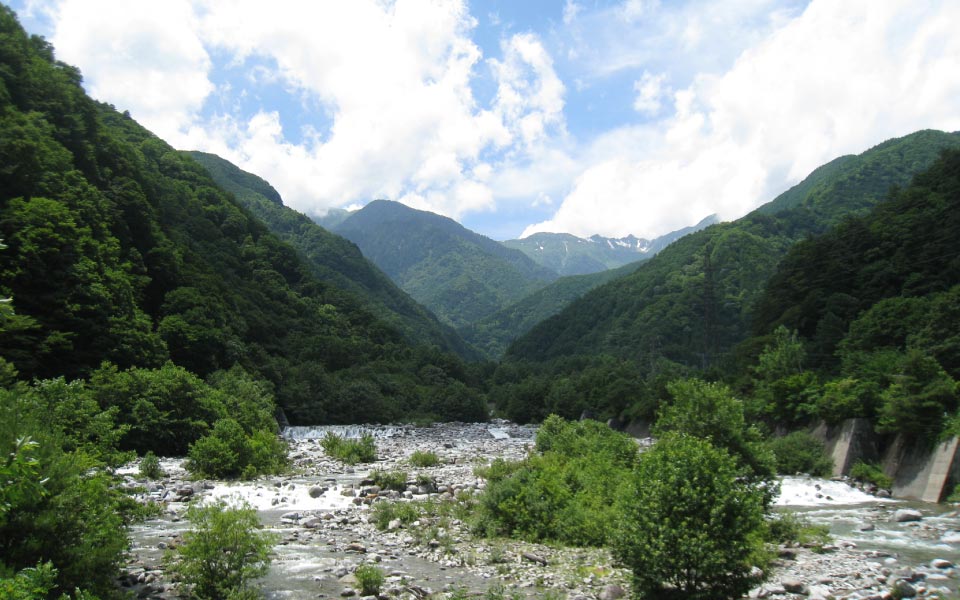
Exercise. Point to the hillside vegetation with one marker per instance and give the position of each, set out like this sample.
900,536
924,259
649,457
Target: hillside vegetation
333,259
459,275
696,306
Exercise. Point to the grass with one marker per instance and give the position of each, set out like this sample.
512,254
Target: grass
384,512
389,480
370,579
350,452
423,459
872,474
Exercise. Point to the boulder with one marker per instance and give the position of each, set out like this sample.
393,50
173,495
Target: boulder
794,586
907,515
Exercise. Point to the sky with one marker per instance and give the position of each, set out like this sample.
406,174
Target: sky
610,117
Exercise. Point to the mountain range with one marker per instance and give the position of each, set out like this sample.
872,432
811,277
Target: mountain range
567,254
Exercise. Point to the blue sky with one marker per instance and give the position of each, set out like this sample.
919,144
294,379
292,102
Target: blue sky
613,117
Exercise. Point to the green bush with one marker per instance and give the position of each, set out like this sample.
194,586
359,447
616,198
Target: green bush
370,579
691,527
150,466
711,412
800,452
58,507
565,493
424,458
791,529
384,512
229,452
223,552
389,480
351,452
869,473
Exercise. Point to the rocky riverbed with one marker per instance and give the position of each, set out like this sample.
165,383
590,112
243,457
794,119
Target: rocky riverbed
325,514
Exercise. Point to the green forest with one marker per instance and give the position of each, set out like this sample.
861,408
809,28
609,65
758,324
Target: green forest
157,302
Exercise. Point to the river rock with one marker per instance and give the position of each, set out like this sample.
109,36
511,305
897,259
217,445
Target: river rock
794,586
312,522
612,592
940,563
907,515
317,491
904,589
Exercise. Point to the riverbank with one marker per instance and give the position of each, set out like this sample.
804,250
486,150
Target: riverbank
324,514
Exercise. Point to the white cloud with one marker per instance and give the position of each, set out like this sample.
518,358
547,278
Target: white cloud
134,58
650,92
837,79
392,81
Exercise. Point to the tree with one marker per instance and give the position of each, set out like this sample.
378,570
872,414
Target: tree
920,398
709,411
690,527
224,552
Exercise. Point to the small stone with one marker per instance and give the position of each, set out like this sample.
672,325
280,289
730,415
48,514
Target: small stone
394,524
867,527
290,516
356,547
904,589
312,522
316,491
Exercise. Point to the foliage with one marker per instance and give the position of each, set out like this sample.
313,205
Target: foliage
791,529
351,452
691,527
223,552
30,583
370,578
800,452
709,411
150,466
385,512
389,480
229,452
919,399
424,458
57,505
565,492
870,473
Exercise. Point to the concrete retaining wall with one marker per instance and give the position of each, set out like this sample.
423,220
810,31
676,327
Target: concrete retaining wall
919,472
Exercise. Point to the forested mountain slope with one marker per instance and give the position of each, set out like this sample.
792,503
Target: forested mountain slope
493,334
694,301
122,249
460,275
332,258
887,279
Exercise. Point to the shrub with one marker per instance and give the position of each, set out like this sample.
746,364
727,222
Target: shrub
389,480
229,452
370,579
791,529
871,474
567,492
223,552
351,452
800,452
691,527
150,466
423,459
384,512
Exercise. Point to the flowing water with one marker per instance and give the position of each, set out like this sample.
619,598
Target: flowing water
310,562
